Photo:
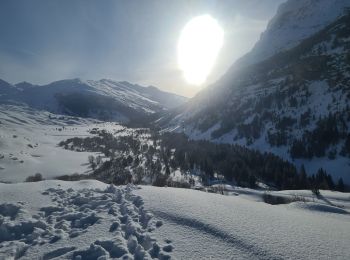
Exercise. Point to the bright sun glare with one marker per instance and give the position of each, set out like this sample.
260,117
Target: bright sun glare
199,44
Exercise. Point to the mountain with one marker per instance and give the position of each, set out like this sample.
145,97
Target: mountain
104,99
294,21
6,89
288,96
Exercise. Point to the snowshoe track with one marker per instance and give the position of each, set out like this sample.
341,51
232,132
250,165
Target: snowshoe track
63,229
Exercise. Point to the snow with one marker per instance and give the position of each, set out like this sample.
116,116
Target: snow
29,143
130,96
320,102
89,219
76,220
125,92
193,176
294,21
205,225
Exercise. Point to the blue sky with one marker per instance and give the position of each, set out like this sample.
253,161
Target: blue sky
42,41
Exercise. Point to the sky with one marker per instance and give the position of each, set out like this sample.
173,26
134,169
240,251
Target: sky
136,41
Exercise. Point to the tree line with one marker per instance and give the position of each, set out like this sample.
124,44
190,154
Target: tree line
131,160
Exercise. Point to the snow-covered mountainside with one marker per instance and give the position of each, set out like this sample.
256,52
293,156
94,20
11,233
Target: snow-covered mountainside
92,220
294,103
295,21
103,99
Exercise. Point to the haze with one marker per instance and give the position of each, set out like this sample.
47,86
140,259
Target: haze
43,41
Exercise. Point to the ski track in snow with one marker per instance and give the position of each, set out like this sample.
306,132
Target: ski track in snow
112,221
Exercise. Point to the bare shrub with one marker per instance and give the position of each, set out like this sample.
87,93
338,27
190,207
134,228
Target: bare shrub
276,200
35,178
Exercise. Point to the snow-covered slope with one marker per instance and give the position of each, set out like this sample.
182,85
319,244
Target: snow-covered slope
76,220
89,219
137,96
294,104
103,99
211,226
29,143
294,21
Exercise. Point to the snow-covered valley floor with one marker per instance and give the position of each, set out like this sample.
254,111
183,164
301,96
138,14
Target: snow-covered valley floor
29,143
89,219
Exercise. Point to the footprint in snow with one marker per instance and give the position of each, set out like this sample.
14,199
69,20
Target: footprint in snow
74,213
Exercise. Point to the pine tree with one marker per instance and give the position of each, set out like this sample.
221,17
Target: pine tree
340,185
303,177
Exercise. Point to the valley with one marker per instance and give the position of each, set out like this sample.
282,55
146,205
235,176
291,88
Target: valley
256,165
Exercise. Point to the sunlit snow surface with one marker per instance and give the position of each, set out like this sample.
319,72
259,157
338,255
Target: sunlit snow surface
29,143
203,225
90,219
76,220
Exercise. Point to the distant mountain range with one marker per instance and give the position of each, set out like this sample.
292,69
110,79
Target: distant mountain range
290,95
104,99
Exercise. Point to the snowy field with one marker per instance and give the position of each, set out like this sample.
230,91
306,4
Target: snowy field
205,225
76,220
29,143
89,219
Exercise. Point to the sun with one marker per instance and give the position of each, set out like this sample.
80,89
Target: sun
198,46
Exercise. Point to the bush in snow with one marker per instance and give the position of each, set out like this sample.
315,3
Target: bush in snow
34,178
161,180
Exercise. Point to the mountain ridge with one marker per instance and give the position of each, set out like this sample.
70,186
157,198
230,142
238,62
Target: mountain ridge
294,21
103,99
